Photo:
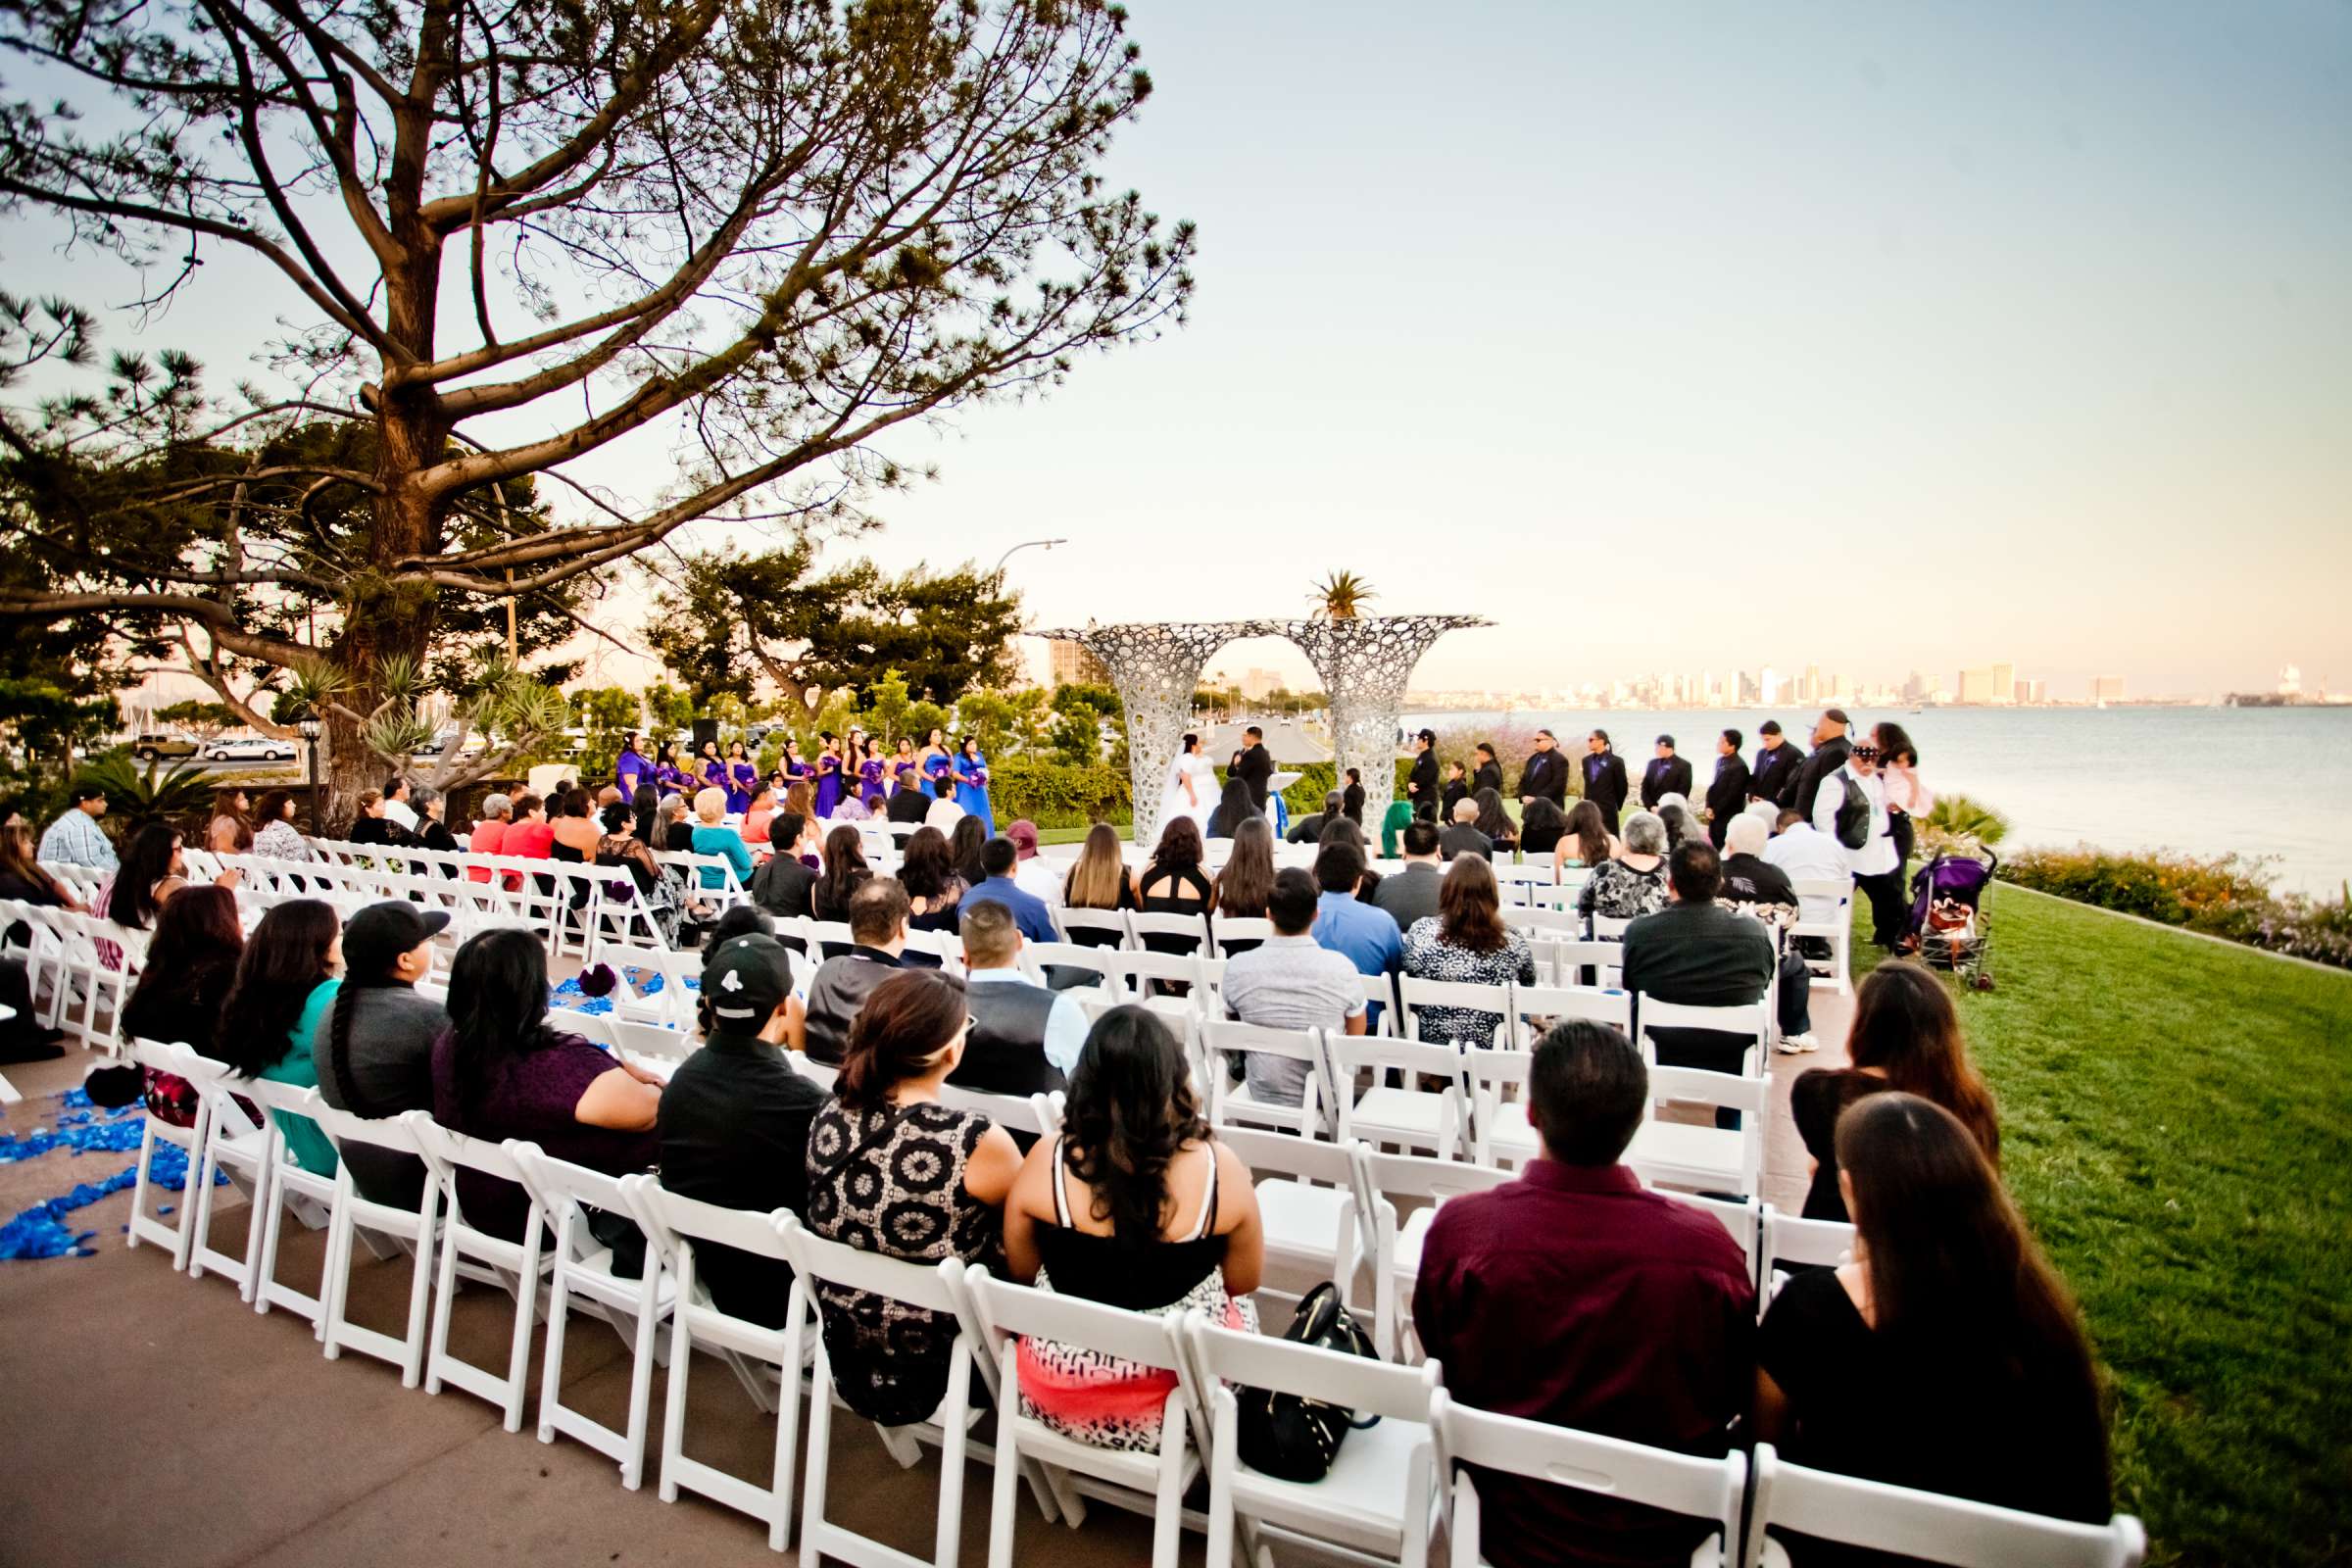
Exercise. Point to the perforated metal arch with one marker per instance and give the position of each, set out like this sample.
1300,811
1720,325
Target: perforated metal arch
1364,664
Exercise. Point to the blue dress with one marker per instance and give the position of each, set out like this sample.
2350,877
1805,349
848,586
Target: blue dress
971,791
629,771
869,777
828,784
744,777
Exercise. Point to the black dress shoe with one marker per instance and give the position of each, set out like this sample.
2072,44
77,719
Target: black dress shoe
16,1055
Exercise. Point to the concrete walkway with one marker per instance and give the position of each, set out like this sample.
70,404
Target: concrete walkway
147,1418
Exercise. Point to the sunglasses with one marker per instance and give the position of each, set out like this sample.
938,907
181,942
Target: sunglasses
1868,753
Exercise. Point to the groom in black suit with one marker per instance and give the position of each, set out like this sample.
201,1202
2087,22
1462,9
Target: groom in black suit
1253,766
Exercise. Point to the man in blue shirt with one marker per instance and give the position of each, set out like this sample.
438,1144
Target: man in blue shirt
998,857
1364,934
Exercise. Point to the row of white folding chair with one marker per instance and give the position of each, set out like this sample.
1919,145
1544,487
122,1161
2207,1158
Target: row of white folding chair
61,956
1132,929
1826,912
82,881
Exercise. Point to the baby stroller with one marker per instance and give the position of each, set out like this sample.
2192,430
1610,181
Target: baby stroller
1949,928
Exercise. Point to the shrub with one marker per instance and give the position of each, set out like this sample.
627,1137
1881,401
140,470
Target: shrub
2227,895
1054,794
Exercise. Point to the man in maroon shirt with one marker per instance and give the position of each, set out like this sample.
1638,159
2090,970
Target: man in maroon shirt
1576,1296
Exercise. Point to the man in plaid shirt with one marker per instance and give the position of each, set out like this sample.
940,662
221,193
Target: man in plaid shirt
74,839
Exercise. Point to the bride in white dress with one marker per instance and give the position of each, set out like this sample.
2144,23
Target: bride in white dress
1191,789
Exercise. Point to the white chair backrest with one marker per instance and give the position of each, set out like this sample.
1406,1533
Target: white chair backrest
1928,1525
1789,1239
1284,1366
1550,1004
1229,931
1037,958
1007,1310
1753,1019
1393,1176
1222,1035
1659,1478
1188,927
907,1283
1469,995
668,1217
1112,920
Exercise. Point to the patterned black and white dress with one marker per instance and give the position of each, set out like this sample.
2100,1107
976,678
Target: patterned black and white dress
1428,956
891,1182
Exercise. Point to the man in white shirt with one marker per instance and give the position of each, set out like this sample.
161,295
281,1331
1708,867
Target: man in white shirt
74,838
1876,867
944,814
396,804
1033,874
1806,855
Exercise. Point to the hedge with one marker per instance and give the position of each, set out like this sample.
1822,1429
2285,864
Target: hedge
2224,897
1054,794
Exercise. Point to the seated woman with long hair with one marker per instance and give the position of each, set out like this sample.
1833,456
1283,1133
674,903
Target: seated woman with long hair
1174,881
1247,880
1541,827
1905,1036
1233,808
151,872
284,984
1099,880
893,1171
934,887
191,963
1946,1357
964,843
502,1071
658,893
1584,842
845,869
1136,1205
369,825
21,877
1494,820
1467,938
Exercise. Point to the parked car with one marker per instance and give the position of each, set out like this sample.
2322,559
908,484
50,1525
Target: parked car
157,744
249,749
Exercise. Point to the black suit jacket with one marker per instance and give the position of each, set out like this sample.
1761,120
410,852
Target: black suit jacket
1665,775
1254,768
1774,774
1604,783
1727,796
1828,758
1486,776
1421,786
1546,777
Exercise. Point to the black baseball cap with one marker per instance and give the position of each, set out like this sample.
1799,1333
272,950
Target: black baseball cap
744,980
382,932
87,790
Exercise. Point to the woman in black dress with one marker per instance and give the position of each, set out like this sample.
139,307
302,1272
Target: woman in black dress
1947,1357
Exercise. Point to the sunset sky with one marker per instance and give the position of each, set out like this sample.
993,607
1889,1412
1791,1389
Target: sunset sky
1669,335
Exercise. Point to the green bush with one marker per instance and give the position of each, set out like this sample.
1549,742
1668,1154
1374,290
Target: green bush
2224,897
1054,794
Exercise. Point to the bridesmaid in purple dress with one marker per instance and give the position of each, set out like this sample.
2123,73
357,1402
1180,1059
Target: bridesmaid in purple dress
710,769
828,774
871,770
743,777
670,775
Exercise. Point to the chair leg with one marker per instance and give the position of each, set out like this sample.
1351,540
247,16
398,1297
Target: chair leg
641,1379
445,1290
673,1399
420,1274
798,1312
821,1438
526,1317
950,1534
551,1370
1168,1514
1005,1494
264,1266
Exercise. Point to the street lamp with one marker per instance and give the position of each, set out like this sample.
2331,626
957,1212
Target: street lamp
1041,544
309,727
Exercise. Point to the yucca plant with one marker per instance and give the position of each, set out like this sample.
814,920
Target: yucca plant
136,796
1341,596
1960,824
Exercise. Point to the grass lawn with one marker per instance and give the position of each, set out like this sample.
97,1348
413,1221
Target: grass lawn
2176,1123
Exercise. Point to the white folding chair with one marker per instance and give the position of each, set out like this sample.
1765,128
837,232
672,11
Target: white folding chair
650,1042
1790,1239
237,1145
1826,911
1142,927
1006,1314
1500,1131
818,1262
1038,958
1706,1157
173,1236
1708,1489
1103,923
1608,928
1139,968
636,1307
1380,1002
1535,1009
416,1230
514,1266
674,1227
1379,1497
1402,1114
1230,1102
288,1186
1309,1206
1925,1525
1469,995
1230,934
1397,1247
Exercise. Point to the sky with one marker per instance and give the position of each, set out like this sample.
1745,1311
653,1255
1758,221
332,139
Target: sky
1677,336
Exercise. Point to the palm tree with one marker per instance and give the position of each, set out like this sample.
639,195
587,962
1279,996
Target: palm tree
1341,596
1959,823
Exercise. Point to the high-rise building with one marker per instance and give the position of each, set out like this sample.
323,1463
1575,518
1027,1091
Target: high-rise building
1916,688
1751,691
1069,664
1810,691
2029,692
2107,688
1976,685
2004,682
1768,687
1260,684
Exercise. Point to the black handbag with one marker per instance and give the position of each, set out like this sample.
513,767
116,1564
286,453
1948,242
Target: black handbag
1288,1436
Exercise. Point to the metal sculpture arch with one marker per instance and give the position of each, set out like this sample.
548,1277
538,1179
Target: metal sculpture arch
1364,664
